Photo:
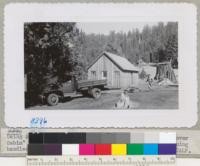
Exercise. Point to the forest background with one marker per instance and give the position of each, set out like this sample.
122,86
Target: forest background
54,52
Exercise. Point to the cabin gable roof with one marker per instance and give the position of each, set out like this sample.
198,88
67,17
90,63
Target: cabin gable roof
119,61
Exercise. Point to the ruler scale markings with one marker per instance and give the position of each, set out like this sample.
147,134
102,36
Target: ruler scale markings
136,160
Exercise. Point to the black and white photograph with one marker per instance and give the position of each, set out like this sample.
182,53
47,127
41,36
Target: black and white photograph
101,65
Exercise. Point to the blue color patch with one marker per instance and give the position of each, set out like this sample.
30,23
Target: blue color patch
151,149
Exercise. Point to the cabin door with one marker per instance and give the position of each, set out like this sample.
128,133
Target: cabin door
117,79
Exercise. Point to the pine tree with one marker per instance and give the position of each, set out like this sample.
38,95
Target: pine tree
172,50
50,53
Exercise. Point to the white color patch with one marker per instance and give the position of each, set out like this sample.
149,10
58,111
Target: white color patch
17,14
167,138
70,149
151,137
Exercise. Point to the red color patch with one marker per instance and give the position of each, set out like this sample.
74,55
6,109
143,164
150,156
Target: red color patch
103,149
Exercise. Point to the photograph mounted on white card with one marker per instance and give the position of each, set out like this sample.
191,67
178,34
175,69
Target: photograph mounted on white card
125,68
126,65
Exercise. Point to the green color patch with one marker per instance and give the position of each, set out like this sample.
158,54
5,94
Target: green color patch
135,149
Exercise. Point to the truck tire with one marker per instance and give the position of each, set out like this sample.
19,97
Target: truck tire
96,93
52,99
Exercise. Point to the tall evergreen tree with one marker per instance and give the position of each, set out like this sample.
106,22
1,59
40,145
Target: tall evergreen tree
50,53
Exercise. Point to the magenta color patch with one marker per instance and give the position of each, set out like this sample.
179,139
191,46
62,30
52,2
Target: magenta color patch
86,149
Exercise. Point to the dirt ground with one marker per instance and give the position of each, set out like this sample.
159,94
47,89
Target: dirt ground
159,98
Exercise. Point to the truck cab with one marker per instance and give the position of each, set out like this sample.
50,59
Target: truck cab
54,92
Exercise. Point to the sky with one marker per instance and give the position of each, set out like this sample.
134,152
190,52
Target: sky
106,27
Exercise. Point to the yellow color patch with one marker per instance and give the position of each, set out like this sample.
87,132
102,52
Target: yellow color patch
118,149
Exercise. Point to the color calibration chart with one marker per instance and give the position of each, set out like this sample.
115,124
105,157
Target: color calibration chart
101,149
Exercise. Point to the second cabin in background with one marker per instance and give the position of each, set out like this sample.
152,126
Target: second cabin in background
119,72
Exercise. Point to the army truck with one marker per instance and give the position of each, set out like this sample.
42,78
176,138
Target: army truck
53,93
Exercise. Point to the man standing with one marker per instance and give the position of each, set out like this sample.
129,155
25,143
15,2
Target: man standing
149,81
124,102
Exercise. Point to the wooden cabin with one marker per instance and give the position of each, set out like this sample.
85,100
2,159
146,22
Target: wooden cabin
119,72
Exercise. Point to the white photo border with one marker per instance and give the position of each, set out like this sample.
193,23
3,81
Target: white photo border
17,14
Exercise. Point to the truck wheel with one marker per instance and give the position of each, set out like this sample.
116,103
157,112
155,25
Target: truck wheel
96,93
52,99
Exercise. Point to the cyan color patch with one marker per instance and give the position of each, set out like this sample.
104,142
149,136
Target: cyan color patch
151,149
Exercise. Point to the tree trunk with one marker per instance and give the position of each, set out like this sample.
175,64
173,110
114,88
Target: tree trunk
164,70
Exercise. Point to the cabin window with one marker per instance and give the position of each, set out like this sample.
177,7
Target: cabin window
93,75
104,75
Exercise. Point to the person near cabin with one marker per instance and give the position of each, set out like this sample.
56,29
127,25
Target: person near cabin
149,82
124,101
125,97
